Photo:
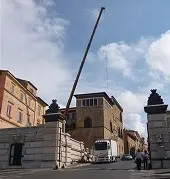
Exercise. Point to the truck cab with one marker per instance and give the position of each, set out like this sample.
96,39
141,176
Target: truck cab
105,151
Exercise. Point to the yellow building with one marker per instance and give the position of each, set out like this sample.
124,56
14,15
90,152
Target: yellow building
19,104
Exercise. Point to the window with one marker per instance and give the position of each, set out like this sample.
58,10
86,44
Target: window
100,145
111,128
9,108
87,102
119,133
90,102
22,96
31,90
73,115
29,102
88,123
95,102
39,110
68,117
28,122
20,117
121,116
84,102
12,88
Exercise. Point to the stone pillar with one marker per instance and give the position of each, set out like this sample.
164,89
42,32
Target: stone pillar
52,137
158,137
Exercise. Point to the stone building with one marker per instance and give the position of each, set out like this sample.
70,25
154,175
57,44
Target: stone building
70,119
139,141
43,146
19,104
98,116
129,143
133,141
158,131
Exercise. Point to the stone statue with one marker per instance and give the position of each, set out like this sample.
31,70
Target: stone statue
154,98
53,108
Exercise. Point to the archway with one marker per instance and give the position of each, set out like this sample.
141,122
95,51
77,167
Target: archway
15,155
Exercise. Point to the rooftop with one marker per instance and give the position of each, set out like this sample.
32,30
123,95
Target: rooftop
42,101
112,101
25,82
21,81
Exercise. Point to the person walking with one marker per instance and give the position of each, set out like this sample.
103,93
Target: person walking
138,159
145,160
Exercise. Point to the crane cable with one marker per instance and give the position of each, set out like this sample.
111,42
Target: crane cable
105,56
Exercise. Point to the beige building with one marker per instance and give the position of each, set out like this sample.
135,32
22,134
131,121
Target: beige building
129,143
98,117
133,141
19,104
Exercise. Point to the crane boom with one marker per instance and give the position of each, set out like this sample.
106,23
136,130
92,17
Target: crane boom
82,63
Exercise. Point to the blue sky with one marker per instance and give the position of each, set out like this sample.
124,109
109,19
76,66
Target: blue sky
44,41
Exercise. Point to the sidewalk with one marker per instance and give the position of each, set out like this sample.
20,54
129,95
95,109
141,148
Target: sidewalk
156,174
161,171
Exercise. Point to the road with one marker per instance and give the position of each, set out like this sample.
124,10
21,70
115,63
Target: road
118,170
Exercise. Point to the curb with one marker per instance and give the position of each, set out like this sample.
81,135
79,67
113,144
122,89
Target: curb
78,165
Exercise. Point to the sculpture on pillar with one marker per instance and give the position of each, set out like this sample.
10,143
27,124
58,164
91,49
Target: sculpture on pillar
53,108
154,98
53,114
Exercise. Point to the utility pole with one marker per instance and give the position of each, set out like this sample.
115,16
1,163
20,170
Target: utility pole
82,63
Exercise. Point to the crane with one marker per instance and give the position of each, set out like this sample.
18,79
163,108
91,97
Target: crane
82,64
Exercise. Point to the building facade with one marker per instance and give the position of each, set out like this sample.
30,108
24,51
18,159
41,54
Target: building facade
98,117
71,119
129,143
19,104
133,141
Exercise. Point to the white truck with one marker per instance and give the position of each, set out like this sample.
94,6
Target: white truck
105,151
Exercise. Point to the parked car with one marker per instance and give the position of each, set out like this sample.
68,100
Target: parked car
127,157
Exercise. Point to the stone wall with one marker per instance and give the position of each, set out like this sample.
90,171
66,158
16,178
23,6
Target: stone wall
158,131
42,147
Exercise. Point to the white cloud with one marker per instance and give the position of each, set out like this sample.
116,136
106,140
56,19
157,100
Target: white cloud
122,56
32,45
131,102
158,56
134,122
133,105
153,85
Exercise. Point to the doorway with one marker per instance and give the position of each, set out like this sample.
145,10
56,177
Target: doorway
16,154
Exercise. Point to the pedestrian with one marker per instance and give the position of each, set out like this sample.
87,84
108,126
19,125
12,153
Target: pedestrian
138,159
145,160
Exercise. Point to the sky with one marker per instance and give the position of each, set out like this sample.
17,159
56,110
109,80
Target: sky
44,42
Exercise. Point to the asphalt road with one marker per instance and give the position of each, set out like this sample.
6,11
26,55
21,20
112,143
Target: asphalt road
118,170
